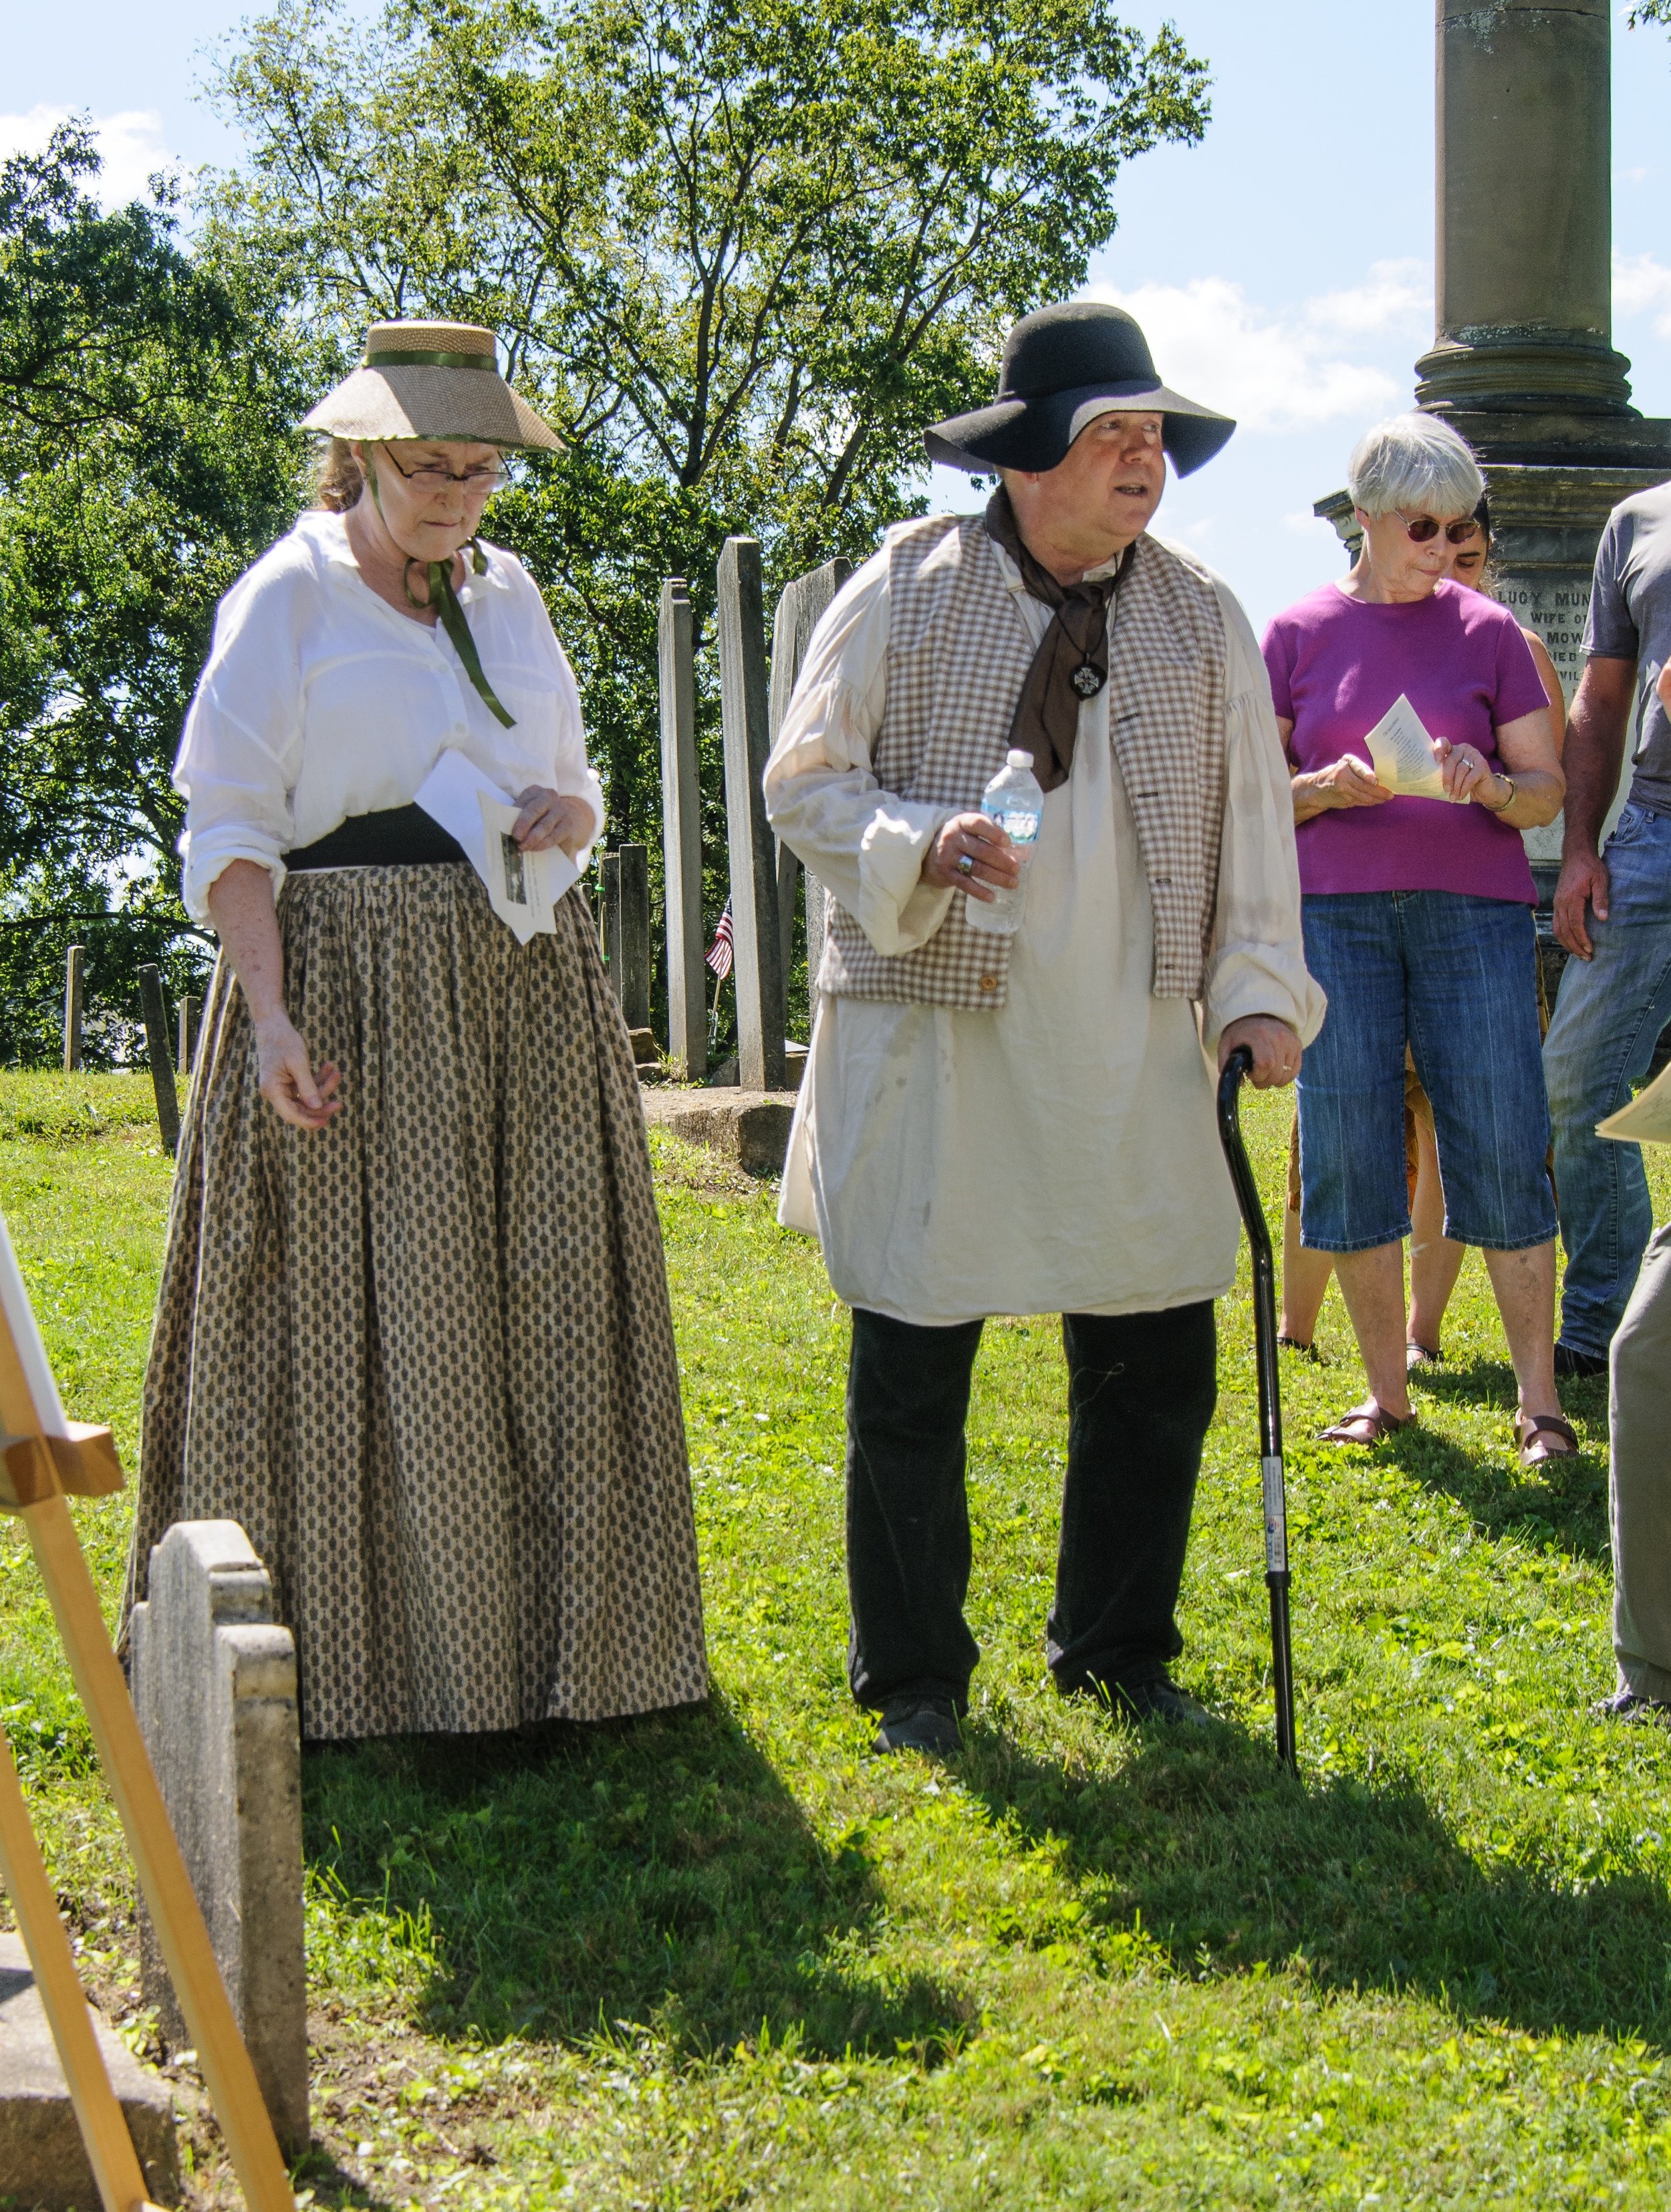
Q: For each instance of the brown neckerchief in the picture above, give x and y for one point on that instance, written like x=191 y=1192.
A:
x=1071 y=663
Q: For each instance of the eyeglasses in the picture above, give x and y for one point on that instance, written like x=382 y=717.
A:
x=430 y=477
x=1422 y=528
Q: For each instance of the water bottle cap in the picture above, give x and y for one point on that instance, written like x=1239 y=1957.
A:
x=1017 y=758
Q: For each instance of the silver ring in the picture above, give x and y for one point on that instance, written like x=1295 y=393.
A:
x=966 y=864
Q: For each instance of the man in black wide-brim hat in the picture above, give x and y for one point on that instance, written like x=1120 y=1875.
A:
x=1024 y=1123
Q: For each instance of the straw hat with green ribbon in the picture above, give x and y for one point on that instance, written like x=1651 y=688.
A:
x=434 y=381
x=431 y=380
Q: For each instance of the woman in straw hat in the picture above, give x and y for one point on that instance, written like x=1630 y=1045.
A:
x=414 y=1330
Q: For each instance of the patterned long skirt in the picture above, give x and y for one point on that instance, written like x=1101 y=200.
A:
x=425 y=1355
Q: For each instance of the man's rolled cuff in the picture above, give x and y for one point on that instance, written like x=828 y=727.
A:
x=897 y=911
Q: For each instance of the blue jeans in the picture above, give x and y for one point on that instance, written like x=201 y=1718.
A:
x=1608 y=1016
x=1455 y=977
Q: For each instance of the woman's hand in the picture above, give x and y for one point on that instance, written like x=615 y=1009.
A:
x=287 y=1081
x=1466 y=774
x=1347 y=781
x=550 y=817
x=996 y=861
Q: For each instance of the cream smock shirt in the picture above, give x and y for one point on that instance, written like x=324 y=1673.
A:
x=320 y=700
x=1060 y=1154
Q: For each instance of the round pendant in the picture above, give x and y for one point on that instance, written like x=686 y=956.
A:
x=1087 y=680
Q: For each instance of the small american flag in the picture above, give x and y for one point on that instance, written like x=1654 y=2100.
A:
x=719 y=953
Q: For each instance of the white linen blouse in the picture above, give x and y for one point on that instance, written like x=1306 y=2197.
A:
x=320 y=700
x=1060 y=1154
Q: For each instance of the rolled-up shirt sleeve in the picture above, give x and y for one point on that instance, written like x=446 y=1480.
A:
x=241 y=746
x=1257 y=965
x=863 y=844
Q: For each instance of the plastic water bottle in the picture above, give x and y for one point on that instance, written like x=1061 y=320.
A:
x=1015 y=802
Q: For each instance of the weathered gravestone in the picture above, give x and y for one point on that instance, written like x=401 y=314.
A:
x=74 y=961
x=43 y=2159
x=626 y=881
x=215 y=1683
x=756 y=930
x=161 y=1059
x=803 y=604
x=682 y=836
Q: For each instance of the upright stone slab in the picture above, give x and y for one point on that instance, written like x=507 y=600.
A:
x=43 y=2159
x=682 y=836
x=73 y=963
x=215 y=1686
x=634 y=936
x=161 y=1059
x=804 y=602
x=756 y=933
x=609 y=921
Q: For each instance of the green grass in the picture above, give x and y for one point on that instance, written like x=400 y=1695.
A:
x=729 y=1958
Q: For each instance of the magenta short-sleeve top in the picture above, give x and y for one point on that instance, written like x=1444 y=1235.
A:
x=1337 y=663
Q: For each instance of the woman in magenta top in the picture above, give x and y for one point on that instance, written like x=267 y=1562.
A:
x=1417 y=915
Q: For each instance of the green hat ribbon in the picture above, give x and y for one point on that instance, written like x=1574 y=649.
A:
x=444 y=600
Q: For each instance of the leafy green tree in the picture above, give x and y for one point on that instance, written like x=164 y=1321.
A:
x=740 y=255
x=146 y=455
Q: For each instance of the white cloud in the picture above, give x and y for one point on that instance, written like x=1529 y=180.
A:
x=1640 y=285
x=1339 y=355
x=130 y=143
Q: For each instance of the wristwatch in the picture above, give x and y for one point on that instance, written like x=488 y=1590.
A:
x=1510 y=800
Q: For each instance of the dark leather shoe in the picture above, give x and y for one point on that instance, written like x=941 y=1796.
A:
x=1154 y=1696
x=1626 y=1705
x=1578 y=1366
x=924 y=1725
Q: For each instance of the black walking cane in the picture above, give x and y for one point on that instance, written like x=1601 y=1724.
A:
x=1240 y=1064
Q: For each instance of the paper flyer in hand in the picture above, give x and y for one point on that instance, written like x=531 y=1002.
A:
x=523 y=888
x=1647 y=1119
x=1401 y=754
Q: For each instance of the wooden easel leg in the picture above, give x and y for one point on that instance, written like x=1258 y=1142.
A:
x=181 y=1934
x=109 y=2146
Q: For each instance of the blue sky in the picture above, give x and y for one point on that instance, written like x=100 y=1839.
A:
x=1283 y=269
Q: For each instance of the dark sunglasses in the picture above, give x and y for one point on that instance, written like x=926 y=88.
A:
x=1422 y=529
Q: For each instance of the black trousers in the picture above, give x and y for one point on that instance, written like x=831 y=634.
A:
x=1141 y=1393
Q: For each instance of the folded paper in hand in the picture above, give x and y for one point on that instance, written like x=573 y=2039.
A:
x=1647 y=1119
x=1402 y=755
x=523 y=887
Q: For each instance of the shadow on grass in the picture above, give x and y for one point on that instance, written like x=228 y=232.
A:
x=1231 y=1862
x=1562 y=1505
x=656 y=1871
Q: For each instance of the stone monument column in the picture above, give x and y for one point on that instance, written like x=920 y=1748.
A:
x=1523 y=286
x=1522 y=362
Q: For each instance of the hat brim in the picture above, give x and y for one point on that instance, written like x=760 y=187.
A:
x=1036 y=433
x=426 y=402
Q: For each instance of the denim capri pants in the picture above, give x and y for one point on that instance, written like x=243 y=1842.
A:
x=1455 y=977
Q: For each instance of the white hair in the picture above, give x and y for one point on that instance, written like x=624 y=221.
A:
x=1414 y=464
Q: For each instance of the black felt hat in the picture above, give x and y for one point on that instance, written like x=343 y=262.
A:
x=1062 y=367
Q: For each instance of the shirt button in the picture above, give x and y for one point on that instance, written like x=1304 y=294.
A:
x=989 y=983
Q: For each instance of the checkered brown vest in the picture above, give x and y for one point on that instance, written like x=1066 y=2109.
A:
x=958 y=651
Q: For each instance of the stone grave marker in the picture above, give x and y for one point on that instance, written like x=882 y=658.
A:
x=215 y=1686
x=682 y=836
x=804 y=602
x=756 y=930
x=43 y=2159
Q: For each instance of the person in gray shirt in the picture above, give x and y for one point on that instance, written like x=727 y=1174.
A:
x=1612 y=911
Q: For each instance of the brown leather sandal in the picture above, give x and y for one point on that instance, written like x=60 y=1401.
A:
x=1365 y=1425
x=1544 y=1436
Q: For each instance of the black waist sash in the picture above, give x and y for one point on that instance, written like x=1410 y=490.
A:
x=393 y=837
